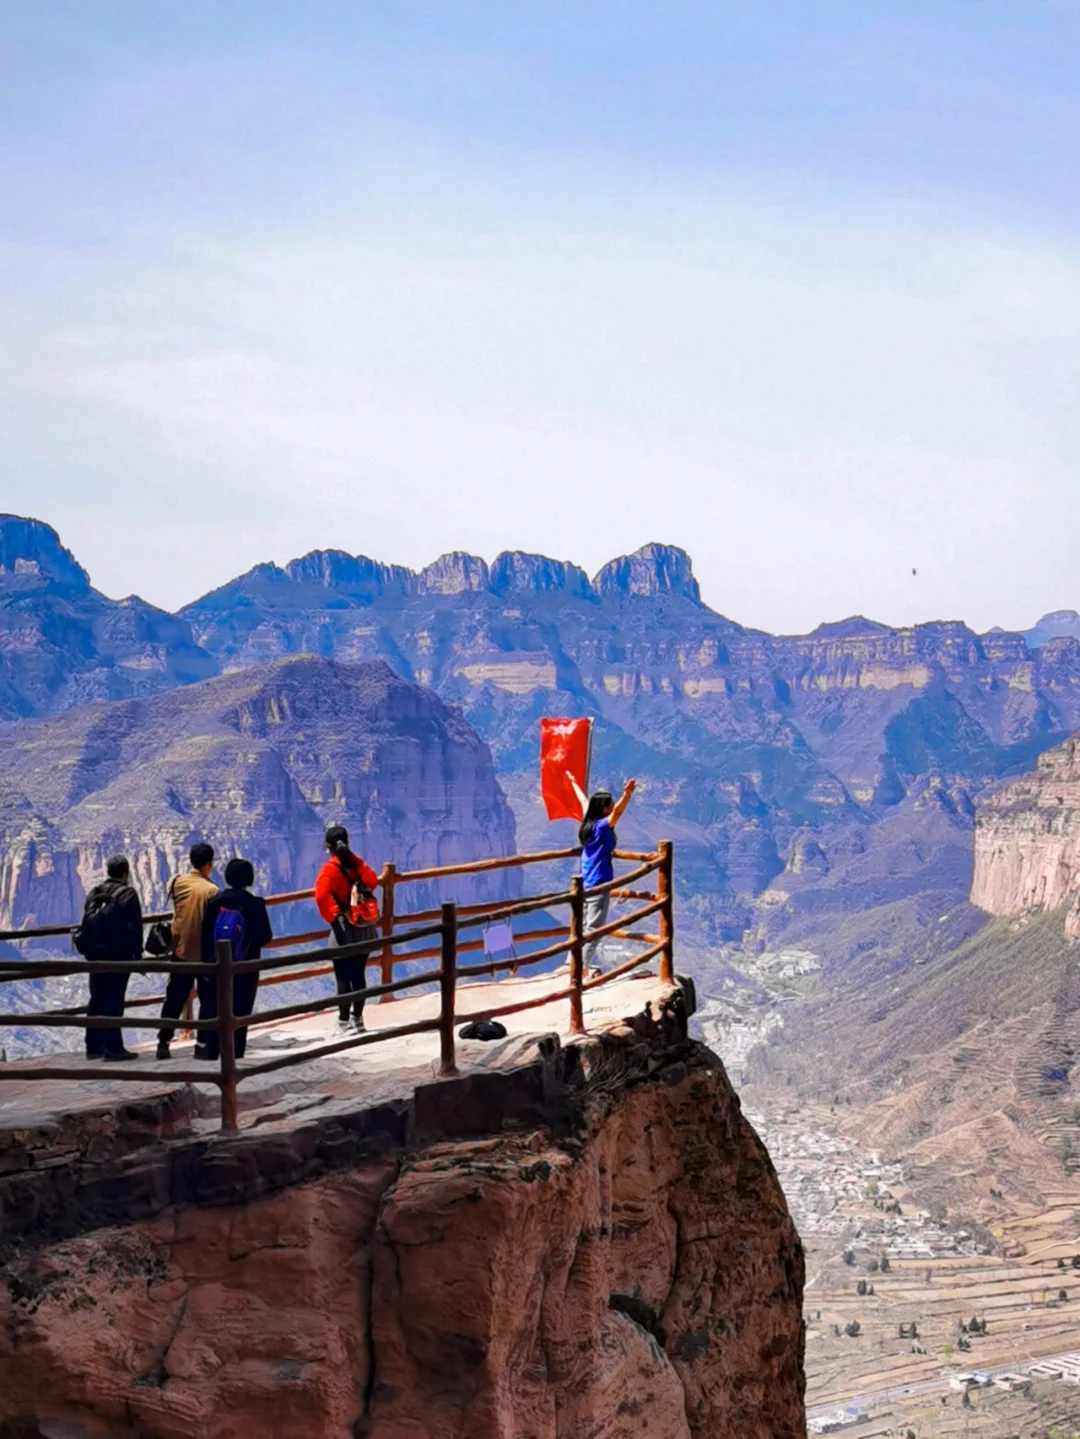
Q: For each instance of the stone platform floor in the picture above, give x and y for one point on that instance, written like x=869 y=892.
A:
x=367 y=1077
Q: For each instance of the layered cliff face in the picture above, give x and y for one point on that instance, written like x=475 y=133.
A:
x=63 y=644
x=258 y=762
x=637 y=1275
x=1027 y=840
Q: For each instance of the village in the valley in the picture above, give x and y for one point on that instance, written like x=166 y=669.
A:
x=917 y=1322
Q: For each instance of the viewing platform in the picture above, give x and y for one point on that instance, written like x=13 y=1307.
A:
x=85 y=1143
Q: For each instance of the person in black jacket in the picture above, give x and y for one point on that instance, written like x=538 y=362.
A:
x=111 y=928
x=255 y=921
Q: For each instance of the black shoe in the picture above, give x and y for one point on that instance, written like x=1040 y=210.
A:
x=94 y=1056
x=201 y=1052
x=120 y=1056
x=163 y=1050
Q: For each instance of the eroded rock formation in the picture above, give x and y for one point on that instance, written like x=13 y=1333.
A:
x=1027 y=840
x=630 y=1272
x=258 y=763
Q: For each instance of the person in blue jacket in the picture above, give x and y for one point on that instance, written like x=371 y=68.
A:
x=596 y=835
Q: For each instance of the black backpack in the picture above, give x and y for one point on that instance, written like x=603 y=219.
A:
x=102 y=933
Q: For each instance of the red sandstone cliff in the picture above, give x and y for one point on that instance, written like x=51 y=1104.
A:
x=636 y=1273
x=1027 y=840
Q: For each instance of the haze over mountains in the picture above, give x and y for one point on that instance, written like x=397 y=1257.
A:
x=808 y=780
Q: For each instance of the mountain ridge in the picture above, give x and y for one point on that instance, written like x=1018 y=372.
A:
x=863 y=746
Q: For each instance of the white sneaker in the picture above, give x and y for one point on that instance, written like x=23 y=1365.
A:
x=344 y=1026
x=358 y=1025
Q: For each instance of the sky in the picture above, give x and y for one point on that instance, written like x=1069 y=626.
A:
x=794 y=286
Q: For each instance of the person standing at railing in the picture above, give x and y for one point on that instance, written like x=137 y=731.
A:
x=189 y=894
x=111 y=928
x=241 y=918
x=345 y=897
x=596 y=834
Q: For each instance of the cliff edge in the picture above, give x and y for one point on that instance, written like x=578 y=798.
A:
x=616 y=1260
x=1027 y=841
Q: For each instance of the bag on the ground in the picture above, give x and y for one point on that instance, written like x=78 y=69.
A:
x=482 y=1029
x=102 y=932
x=229 y=925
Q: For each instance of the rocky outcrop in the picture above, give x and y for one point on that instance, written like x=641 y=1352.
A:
x=1027 y=840
x=516 y=573
x=258 y=762
x=631 y=1272
x=1058 y=624
x=652 y=570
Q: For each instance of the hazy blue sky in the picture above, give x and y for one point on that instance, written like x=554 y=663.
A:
x=794 y=285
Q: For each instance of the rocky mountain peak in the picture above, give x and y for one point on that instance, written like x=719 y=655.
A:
x=454 y=574
x=1058 y=624
x=31 y=551
x=355 y=575
x=652 y=570
x=515 y=572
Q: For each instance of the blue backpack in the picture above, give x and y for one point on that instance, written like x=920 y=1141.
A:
x=229 y=925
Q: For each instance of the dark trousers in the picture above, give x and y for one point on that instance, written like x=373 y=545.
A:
x=107 y=994
x=245 y=988
x=177 y=993
x=350 y=971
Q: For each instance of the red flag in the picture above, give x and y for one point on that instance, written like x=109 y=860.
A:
x=564 y=745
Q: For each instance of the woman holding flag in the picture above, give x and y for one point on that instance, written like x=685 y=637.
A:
x=596 y=834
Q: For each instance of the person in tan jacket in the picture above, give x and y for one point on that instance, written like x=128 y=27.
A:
x=189 y=894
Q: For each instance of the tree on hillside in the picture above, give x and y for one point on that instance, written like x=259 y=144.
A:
x=938 y=1212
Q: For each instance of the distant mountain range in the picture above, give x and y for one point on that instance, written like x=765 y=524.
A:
x=816 y=785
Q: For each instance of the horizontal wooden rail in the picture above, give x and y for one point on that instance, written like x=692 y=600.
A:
x=58 y=1019
x=625 y=968
x=485 y=866
x=96 y=1069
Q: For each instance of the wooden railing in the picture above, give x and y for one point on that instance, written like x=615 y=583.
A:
x=444 y=925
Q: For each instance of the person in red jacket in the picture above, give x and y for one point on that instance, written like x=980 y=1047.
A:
x=345 y=897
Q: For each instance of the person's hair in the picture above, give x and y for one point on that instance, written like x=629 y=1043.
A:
x=201 y=855
x=336 y=840
x=239 y=874
x=599 y=805
x=118 y=867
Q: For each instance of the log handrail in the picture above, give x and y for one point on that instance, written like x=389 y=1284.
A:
x=395 y=932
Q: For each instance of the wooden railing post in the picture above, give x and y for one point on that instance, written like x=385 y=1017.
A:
x=387 y=880
x=226 y=1031
x=448 y=987
x=665 y=891
x=577 y=954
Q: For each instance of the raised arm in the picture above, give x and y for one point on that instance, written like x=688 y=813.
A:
x=620 y=805
x=582 y=798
